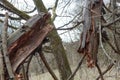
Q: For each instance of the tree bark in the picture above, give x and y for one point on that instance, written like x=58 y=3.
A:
x=53 y=35
x=5 y=49
x=1 y=66
x=57 y=47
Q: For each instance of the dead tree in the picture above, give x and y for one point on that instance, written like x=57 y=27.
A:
x=89 y=41
x=23 y=42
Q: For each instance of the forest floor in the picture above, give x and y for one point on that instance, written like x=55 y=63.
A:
x=84 y=73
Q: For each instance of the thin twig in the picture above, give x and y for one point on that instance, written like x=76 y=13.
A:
x=65 y=6
x=116 y=42
x=70 y=28
x=99 y=70
x=104 y=72
x=77 y=68
x=31 y=10
x=39 y=62
x=70 y=21
x=12 y=18
x=9 y=25
x=101 y=44
x=112 y=46
x=47 y=65
x=110 y=23
x=23 y=72
x=28 y=64
x=54 y=10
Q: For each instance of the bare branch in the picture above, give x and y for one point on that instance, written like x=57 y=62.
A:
x=30 y=11
x=71 y=21
x=78 y=23
x=108 y=68
x=110 y=23
x=47 y=65
x=110 y=10
x=66 y=6
x=39 y=51
x=78 y=66
x=112 y=46
x=28 y=65
x=101 y=44
x=4 y=46
x=7 y=5
x=116 y=42
x=99 y=70
x=9 y=25
x=54 y=10
x=13 y=18
x=107 y=8
x=63 y=33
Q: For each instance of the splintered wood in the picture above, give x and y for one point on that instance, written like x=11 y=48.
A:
x=89 y=40
x=26 y=39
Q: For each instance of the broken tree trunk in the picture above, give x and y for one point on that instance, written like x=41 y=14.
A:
x=90 y=35
x=26 y=39
x=89 y=41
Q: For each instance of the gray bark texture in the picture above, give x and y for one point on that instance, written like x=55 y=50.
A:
x=57 y=47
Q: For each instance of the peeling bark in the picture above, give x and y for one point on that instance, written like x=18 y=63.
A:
x=89 y=40
x=27 y=39
x=57 y=47
x=1 y=66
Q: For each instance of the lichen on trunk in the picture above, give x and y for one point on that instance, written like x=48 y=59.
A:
x=57 y=47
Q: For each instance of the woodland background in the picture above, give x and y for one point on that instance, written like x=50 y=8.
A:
x=84 y=43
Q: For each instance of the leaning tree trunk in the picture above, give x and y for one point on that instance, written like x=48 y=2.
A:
x=57 y=47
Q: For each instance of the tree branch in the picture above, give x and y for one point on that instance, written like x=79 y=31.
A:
x=112 y=46
x=39 y=51
x=65 y=6
x=110 y=23
x=4 y=46
x=30 y=11
x=78 y=66
x=7 y=5
x=12 y=18
x=70 y=21
x=101 y=44
x=54 y=10
x=9 y=25
x=78 y=23
x=108 y=68
x=27 y=68
x=99 y=70
x=47 y=65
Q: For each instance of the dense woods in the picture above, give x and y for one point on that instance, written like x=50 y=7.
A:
x=59 y=40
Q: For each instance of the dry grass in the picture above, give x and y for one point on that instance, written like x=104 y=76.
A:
x=84 y=73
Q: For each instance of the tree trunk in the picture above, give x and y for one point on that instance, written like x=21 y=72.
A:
x=1 y=66
x=57 y=47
